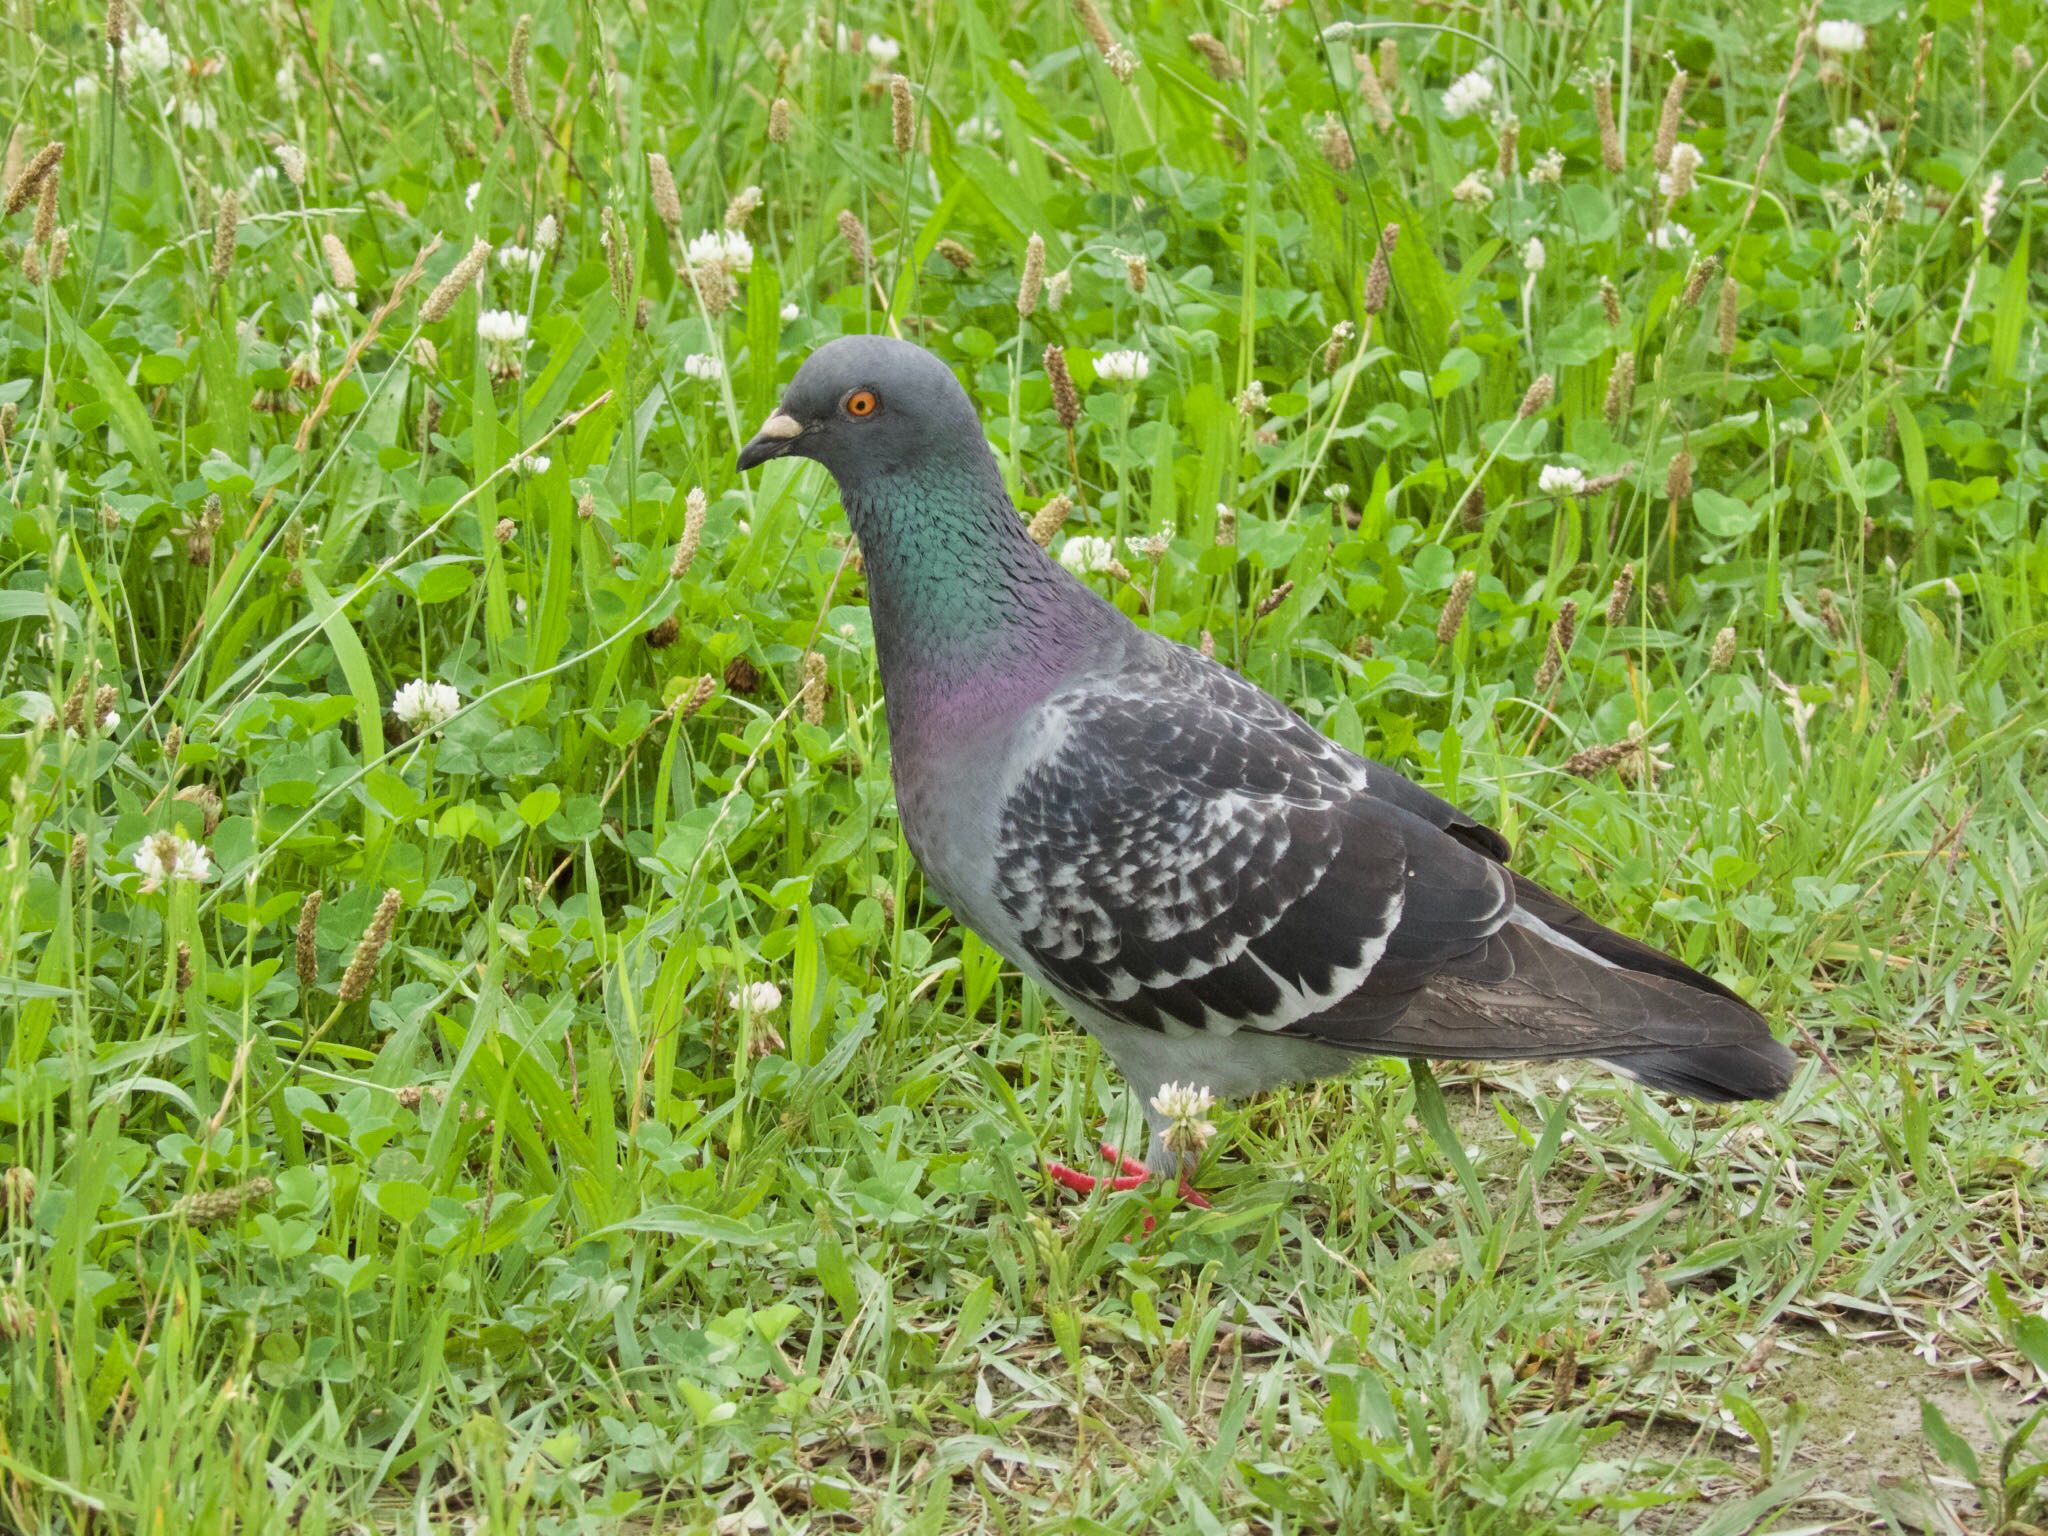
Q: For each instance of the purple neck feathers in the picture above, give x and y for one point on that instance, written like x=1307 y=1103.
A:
x=973 y=623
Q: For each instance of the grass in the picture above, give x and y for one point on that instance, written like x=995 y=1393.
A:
x=535 y=1216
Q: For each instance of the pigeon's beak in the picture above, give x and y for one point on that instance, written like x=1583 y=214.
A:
x=777 y=436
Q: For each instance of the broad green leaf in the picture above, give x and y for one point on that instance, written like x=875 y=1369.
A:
x=402 y=1200
x=2010 y=310
x=36 y=605
x=1724 y=516
x=130 y=421
x=1950 y=1446
x=355 y=666
x=539 y=805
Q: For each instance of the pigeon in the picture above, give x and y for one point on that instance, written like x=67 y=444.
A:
x=1228 y=901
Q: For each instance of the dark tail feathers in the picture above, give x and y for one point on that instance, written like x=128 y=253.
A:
x=1716 y=1074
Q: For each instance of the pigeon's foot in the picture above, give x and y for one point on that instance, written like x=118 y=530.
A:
x=1131 y=1173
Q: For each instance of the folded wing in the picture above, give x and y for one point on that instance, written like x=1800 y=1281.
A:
x=1196 y=857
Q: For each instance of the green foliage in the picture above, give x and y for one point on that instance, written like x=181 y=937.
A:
x=662 y=1156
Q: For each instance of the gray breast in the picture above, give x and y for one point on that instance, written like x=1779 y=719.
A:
x=950 y=809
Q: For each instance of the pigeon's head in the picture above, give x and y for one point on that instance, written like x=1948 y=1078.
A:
x=869 y=408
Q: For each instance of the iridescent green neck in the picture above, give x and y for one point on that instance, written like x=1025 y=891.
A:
x=932 y=546
x=971 y=617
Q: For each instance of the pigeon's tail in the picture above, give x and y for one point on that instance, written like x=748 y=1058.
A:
x=1716 y=1074
x=1550 y=983
x=1735 y=1056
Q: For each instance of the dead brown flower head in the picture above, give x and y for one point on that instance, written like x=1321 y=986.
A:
x=1215 y=57
x=1453 y=617
x=355 y=981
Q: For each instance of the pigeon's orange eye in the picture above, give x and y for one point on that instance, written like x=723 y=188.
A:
x=862 y=402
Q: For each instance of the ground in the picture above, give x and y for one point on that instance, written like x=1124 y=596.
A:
x=478 y=1053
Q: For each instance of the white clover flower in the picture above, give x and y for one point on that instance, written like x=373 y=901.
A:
x=707 y=248
x=703 y=367
x=1085 y=553
x=165 y=856
x=1857 y=137
x=260 y=178
x=755 y=997
x=147 y=51
x=1534 y=257
x=513 y=258
x=1126 y=367
x=1150 y=546
x=501 y=326
x=1548 y=170
x=198 y=116
x=503 y=333
x=425 y=706
x=375 y=62
x=883 y=50
x=105 y=723
x=1561 y=480
x=726 y=249
x=1840 y=37
x=330 y=310
x=1671 y=236
x=1182 y=1100
x=546 y=234
x=978 y=130
x=1987 y=205
x=1185 y=1108
x=531 y=464
x=1655 y=756
x=1467 y=94
x=469 y=195
x=790 y=313
x=1473 y=190
x=84 y=88
x=1337 y=490
x=1686 y=161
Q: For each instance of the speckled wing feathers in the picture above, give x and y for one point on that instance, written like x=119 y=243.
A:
x=1181 y=852
x=1195 y=854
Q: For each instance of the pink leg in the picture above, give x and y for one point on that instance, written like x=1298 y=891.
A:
x=1188 y=1192
x=1124 y=1164
x=1088 y=1183
x=1132 y=1174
